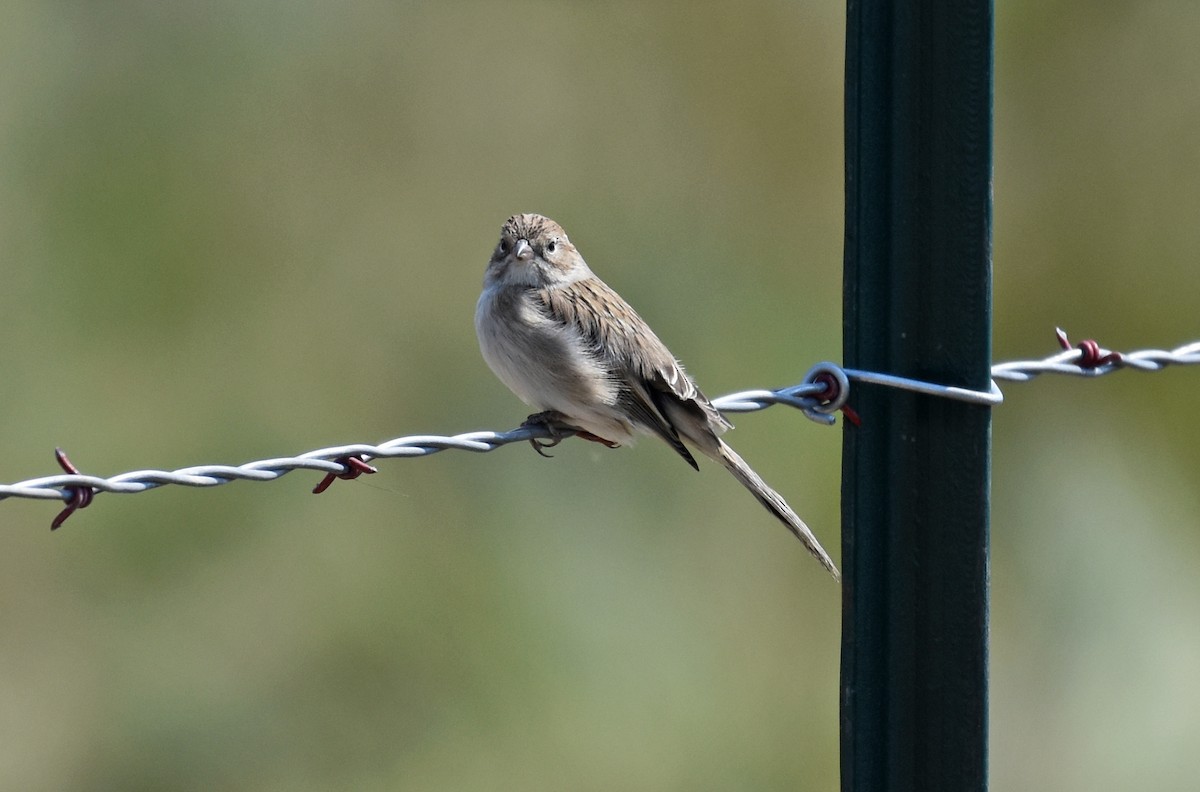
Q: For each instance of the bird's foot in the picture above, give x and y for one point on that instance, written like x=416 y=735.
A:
x=556 y=424
x=553 y=422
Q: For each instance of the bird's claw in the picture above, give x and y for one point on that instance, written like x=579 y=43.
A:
x=541 y=445
x=556 y=424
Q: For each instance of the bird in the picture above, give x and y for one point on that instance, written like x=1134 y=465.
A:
x=567 y=344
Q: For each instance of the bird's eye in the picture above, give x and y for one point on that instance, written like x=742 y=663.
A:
x=551 y=245
x=503 y=245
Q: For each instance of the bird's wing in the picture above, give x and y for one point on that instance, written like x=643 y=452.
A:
x=652 y=386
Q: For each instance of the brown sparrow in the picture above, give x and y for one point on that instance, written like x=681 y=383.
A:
x=567 y=344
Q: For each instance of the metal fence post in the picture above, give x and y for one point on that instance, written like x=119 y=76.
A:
x=915 y=474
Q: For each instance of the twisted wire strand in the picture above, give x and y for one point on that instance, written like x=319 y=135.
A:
x=329 y=460
x=822 y=393
x=1069 y=362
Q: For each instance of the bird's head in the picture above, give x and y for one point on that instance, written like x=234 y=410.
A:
x=534 y=251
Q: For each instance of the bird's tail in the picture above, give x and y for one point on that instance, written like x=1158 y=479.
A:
x=774 y=503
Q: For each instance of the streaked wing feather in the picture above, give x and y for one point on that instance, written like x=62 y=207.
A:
x=651 y=416
x=613 y=332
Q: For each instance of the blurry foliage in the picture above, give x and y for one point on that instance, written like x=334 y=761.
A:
x=233 y=230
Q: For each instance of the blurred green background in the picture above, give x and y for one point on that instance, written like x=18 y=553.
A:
x=230 y=231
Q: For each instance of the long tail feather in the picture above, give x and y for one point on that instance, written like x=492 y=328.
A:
x=775 y=504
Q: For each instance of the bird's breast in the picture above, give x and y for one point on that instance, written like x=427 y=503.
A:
x=544 y=362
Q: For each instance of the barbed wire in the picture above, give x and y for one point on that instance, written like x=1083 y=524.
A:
x=1089 y=359
x=821 y=394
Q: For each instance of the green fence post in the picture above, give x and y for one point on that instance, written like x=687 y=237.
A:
x=915 y=474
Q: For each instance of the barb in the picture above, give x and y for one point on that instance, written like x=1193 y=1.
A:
x=78 y=497
x=823 y=393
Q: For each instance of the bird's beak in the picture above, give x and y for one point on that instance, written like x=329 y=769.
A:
x=522 y=250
